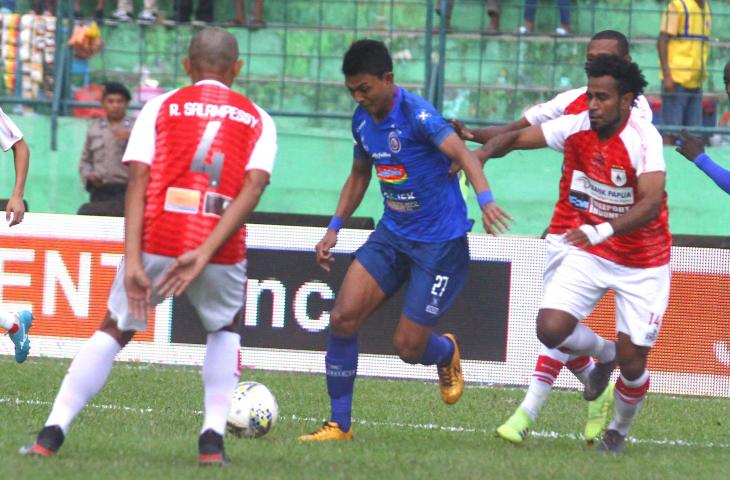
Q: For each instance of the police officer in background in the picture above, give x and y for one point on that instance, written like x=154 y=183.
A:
x=101 y=168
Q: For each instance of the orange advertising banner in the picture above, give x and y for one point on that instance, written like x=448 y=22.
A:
x=65 y=283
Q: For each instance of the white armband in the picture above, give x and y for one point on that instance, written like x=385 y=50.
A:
x=597 y=233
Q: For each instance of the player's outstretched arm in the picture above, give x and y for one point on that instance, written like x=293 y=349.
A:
x=189 y=265
x=650 y=194
x=693 y=149
x=525 y=139
x=15 y=206
x=136 y=282
x=350 y=197
x=483 y=135
x=494 y=219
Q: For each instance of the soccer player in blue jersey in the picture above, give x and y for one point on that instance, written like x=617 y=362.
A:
x=420 y=240
x=693 y=149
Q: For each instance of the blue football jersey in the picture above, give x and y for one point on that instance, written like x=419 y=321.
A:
x=422 y=202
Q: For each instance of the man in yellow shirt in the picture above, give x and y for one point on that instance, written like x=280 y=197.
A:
x=683 y=47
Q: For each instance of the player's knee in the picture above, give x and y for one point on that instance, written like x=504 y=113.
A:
x=549 y=335
x=343 y=325
x=408 y=350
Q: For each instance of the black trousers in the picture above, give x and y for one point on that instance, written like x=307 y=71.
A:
x=107 y=200
x=184 y=8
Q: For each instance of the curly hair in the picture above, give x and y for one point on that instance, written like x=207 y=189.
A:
x=627 y=74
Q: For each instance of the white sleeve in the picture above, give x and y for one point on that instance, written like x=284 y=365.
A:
x=553 y=108
x=141 y=145
x=264 y=153
x=9 y=132
x=558 y=130
x=647 y=150
x=643 y=109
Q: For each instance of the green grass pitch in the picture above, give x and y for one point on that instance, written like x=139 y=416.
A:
x=144 y=424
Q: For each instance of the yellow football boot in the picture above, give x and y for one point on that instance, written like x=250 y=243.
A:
x=327 y=432
x=598 y=415
x=451 y=380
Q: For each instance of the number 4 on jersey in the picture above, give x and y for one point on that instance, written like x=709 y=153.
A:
x=214 y=167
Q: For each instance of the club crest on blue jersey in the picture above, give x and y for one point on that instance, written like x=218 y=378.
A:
x=394 y=142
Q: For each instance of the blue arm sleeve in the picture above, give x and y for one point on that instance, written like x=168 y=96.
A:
x=718 y=174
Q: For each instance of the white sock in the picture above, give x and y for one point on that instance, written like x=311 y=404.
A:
x=584 y=341
x=629 y=397
x=581 y=366
x=220 y=377
x=549 y=363
x=85 y=377
x=7 y=320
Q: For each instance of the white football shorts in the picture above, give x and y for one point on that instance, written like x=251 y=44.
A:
x=217 y=294
x=575 y=280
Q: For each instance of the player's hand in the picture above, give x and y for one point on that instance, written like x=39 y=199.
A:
x=461 y=130
x=690 y=146
x=139 y=290
x=184 y=270
x=577 y=237
x=15 y=209
x=494 y=219
x=94 y=180
x=668 y=83
x=324 y=257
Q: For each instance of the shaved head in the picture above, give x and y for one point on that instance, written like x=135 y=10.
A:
x=213 y=50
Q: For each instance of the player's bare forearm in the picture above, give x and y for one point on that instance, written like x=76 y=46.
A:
x=237 y=213
x=354 y=189
x=134 y=203
x=650 y=193
x=21 y=154
x=483 y=135
x=524 y=139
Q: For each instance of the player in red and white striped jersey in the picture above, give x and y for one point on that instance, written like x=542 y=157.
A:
x=610 y=230
x=199 y=159
x=16 y=324
x=551 y=361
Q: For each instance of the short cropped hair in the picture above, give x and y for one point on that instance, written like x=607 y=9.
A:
x=367 y=56
x=618 y=37
x=628 y=74
x=116 y=88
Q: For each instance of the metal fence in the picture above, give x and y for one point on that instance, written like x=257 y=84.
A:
x=293 y=63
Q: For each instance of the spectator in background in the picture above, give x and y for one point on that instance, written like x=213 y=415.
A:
x=183 y=9
x=693 y=149
x=101 y=168
x=683 y=47
x=531 y=7
x=48 y=7
x=493 y=8
x=125 y=9
x=257 y=20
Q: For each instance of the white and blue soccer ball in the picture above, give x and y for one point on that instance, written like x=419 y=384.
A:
x=253 y=412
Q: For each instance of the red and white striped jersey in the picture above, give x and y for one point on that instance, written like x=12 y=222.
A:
x=199 y=142
x=573 y=102
x=9 y=132
x=599 y=182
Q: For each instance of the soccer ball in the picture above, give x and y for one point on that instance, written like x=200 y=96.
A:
x=253 y=412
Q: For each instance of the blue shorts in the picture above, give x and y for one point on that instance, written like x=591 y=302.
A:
x=436 y=271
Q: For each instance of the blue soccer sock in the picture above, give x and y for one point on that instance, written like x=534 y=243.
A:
x=341 y=365
x=439 y=351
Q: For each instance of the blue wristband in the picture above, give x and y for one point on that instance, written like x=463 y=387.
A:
x=485 y=198
x=336 y=223
x=701 y=157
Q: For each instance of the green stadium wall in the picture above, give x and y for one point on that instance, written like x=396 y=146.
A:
x=314 y=160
